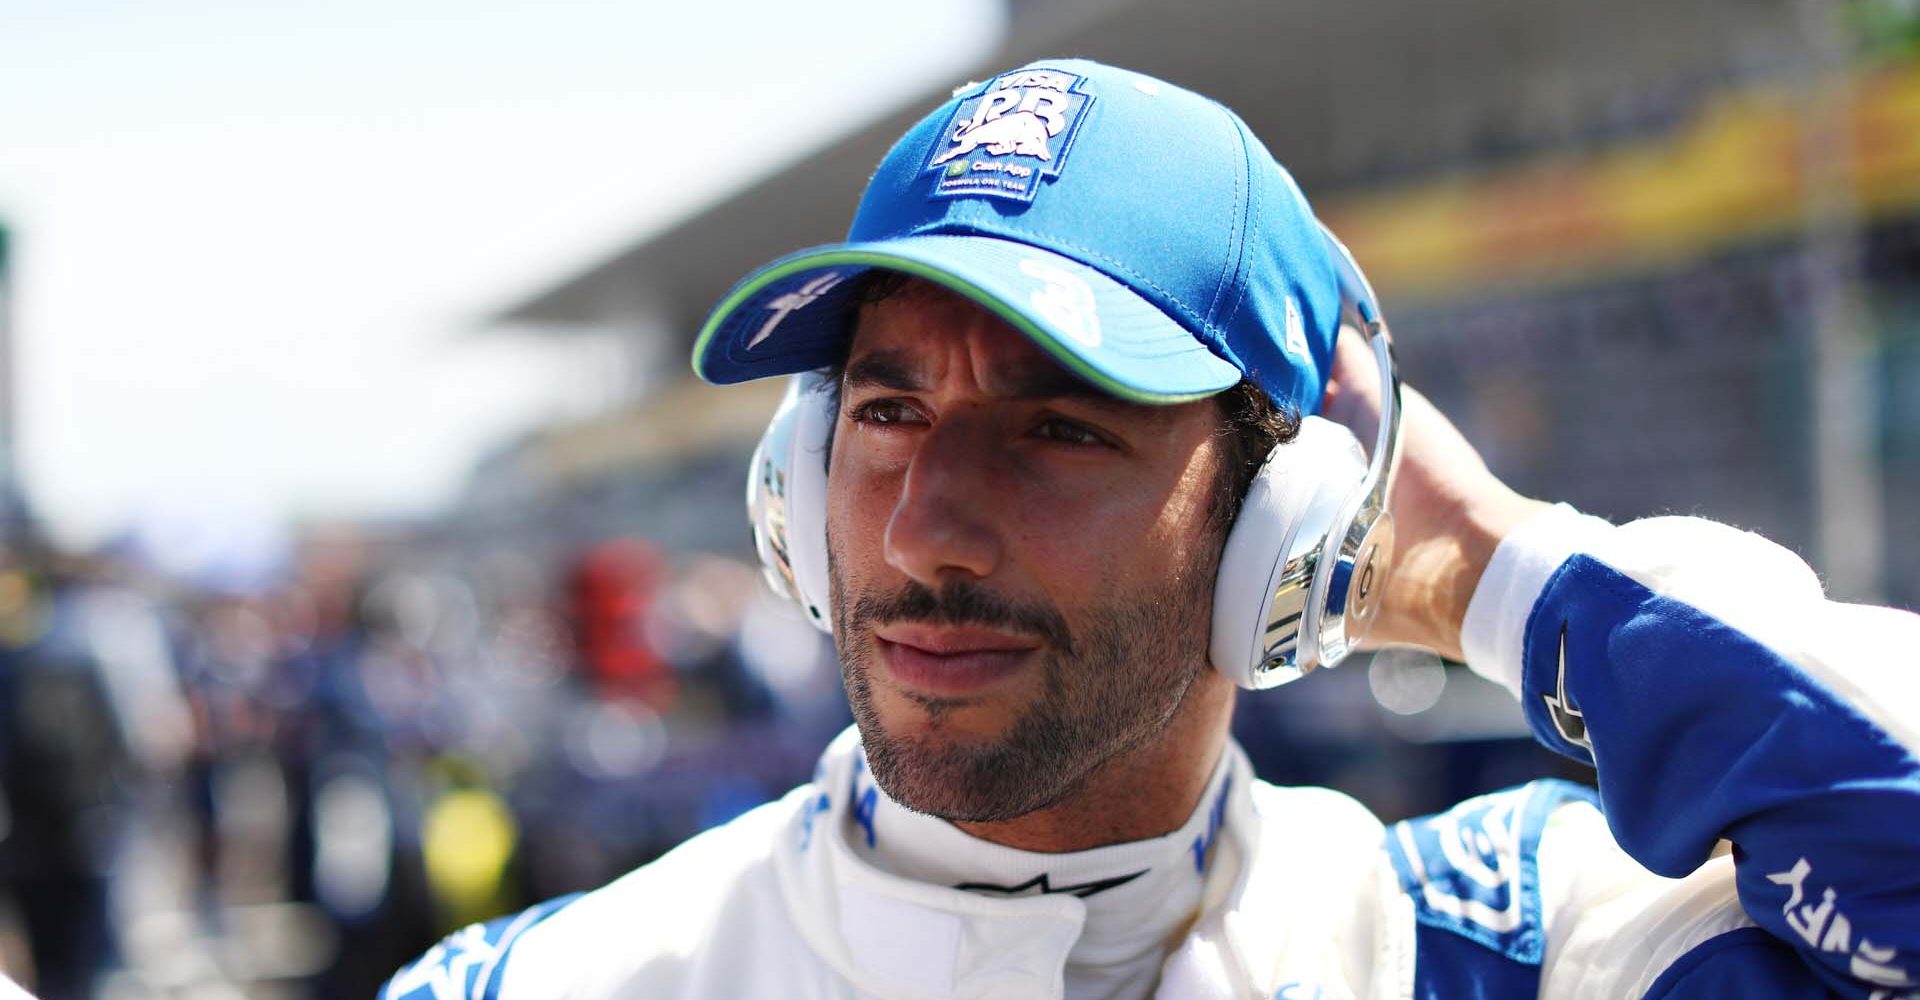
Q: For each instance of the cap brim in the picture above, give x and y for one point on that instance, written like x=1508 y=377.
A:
x=791 y=315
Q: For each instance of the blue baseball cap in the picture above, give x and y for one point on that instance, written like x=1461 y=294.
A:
x=1136 y=231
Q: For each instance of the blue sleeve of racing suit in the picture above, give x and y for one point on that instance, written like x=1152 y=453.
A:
x=1785 y=726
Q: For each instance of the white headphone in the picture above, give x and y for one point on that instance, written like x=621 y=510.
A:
x=1303 y=568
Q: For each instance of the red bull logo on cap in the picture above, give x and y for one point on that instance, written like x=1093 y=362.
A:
x=1013 y=131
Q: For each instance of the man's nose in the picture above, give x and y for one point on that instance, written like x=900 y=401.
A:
x=942 y=521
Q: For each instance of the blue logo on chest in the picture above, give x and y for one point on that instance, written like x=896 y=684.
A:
x=1474 y=871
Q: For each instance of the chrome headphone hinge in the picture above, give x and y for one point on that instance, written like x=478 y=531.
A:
x=1286 y=619
x=1326 y=588
x=786 y=496
x=1361 y=557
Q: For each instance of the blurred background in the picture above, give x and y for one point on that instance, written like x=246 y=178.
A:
x=370 y=562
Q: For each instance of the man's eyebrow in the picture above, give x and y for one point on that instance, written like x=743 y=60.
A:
x=888 y=371
x=880 y=370
x=1052 y=382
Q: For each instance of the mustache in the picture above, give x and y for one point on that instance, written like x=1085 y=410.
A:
x=959 y=602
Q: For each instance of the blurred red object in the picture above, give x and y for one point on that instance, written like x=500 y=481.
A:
x=610 y=589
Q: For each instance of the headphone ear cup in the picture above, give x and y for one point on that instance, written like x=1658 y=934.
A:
x=1292 y=506
x=787 y=497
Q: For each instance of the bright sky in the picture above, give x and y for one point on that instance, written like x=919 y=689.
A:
x=254 y=242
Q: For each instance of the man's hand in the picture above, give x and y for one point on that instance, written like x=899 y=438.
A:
x=1449 y=511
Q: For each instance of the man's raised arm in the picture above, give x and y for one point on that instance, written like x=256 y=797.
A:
x=1719 y=695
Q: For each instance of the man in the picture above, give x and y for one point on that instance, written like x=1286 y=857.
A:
x=1114 y=304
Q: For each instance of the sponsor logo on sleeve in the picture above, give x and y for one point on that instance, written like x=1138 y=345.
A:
x=467 y=963
x=1567 y=720
x=1824 y=925
x=449 y=970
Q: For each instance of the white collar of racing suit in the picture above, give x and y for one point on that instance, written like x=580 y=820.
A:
x=1272 y=908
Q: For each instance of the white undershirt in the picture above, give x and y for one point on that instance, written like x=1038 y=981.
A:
x=1140 y=897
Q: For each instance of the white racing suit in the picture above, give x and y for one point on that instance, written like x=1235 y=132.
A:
x=1719 y=696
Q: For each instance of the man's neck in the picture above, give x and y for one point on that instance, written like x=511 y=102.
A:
x=1142 y=793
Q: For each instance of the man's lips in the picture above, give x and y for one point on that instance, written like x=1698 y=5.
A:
x=951 y=660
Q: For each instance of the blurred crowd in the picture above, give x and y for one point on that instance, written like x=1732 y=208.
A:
x=292 y=788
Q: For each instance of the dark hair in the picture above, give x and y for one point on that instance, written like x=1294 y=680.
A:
x=1252 y=423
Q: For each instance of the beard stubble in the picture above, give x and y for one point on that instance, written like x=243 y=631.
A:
x=1111 y=681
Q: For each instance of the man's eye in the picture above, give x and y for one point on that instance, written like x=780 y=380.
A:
x=883 y=411
x=1068 y=432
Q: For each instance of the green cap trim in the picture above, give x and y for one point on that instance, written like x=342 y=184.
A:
x=809 y=260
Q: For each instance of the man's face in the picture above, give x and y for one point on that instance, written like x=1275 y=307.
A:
x=1022 y=567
